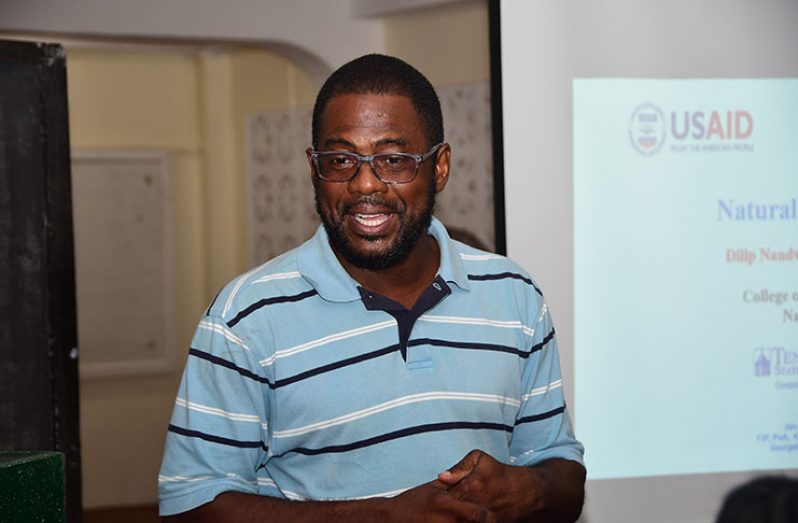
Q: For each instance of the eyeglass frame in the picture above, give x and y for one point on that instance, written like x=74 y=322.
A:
x=369 y=159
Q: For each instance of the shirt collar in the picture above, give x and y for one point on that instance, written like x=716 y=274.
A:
x=452 y=268
x=318 y=264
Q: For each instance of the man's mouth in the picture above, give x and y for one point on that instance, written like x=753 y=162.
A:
x=371 y=220
x=371 y=216
x=371 y=223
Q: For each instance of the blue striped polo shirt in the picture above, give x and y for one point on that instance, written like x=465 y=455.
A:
x=300 y=384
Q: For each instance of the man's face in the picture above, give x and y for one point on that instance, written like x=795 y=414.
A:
x=371 y=224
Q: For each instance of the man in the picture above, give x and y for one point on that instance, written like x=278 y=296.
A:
x=380 y=371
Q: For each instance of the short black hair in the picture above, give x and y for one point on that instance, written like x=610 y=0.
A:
x=381 y=74
x=768 y=499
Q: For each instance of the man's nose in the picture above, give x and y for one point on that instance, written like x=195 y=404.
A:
x=366 y=181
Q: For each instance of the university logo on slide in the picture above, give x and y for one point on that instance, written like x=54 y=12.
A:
x=781 y=362
x=763 y=361
x=647 y=129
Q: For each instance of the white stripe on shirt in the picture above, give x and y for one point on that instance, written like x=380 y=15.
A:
x=215 y=327
x=513 y=459
x=556 y=384
x=240 y=282
x=480 y=257
x=279 y=276
x=389 y=494
x=217 y=412
x=181 y=479
x=268 y=482
x=326 y=339
x=543 y=311
x=462 y=320
x=398 y=402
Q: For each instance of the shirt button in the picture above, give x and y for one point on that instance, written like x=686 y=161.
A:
x=437 y=285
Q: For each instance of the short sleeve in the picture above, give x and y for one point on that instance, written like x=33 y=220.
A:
x=218 y=434
x=543 y=427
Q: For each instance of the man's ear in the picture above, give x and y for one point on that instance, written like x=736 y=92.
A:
x=310 y=163
x=442 y=162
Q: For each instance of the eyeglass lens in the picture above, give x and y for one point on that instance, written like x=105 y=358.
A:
x=388 y=167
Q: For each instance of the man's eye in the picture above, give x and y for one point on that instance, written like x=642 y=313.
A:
x=395 y=161
x=340 y=161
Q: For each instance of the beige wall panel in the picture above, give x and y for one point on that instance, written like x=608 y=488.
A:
x=193 y=296
x=224 y=192
x=126 y=100
x=123 y=426
x=264 y=83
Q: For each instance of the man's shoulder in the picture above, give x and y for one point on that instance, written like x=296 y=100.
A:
x=478 y=261
x=494 y=271
x=276 y=278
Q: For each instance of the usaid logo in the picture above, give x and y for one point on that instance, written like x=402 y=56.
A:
x=692 y=131
x=647 y=129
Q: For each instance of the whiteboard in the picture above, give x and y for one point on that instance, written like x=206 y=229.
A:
x=125 y=263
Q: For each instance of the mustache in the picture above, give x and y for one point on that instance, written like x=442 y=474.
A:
x=376 y=201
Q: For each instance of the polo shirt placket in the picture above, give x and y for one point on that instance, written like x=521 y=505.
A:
x=405 y=318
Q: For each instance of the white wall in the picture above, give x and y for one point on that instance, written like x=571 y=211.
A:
x=318 y=34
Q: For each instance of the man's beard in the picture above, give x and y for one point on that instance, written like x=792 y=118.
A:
x=409 y=233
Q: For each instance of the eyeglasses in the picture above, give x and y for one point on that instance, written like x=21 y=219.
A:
x=342 y=166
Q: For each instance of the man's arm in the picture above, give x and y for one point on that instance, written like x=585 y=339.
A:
x=551 y=491
x=429 y=503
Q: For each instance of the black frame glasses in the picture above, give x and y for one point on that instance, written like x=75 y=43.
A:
x=342 y=166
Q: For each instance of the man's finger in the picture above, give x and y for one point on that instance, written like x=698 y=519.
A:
x=461 y=469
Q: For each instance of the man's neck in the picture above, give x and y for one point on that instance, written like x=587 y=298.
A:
x=405 y=281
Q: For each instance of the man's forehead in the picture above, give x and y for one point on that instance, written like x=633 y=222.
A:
x=371 y=112
x=378 y=104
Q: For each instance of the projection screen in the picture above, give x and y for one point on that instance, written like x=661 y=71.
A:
x=650 y=171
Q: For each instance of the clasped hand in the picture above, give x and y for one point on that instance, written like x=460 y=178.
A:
x=477 y=489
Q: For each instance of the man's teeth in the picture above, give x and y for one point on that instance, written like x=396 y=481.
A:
x=371 y=220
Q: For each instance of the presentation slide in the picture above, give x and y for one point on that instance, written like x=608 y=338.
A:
x=686 y=274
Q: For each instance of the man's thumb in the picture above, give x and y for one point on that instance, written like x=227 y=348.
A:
x=461 y=469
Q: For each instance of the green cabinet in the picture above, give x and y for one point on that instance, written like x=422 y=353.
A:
x=32 y=487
